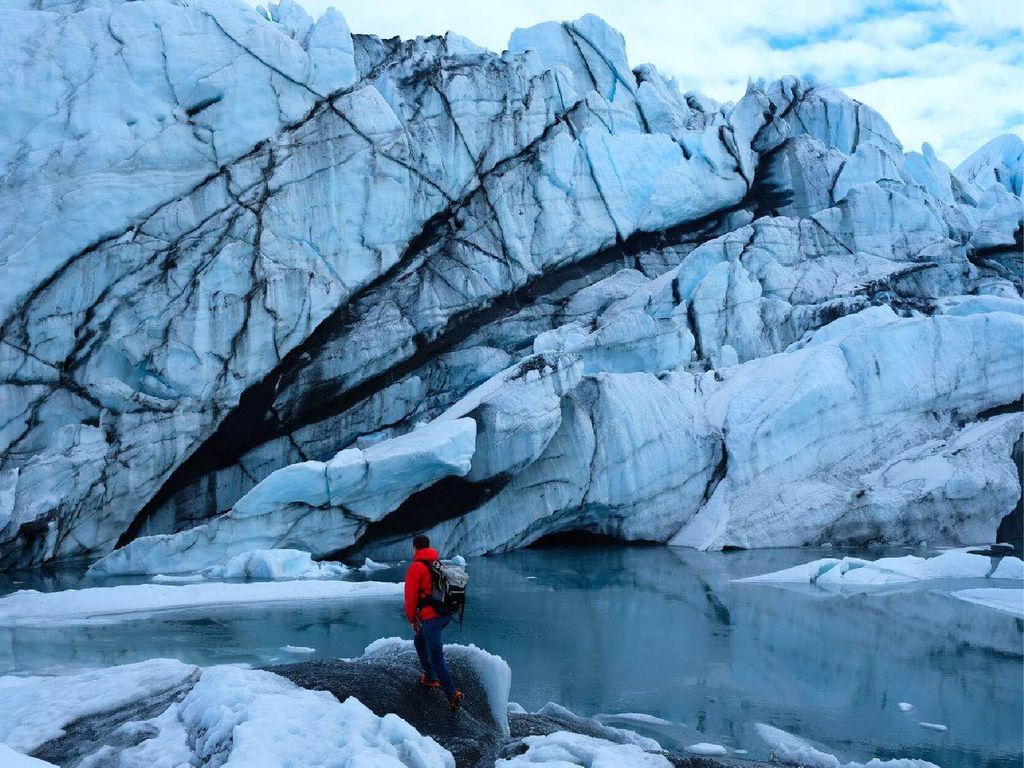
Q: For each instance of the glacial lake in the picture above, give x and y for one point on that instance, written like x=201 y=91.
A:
x=653 y=630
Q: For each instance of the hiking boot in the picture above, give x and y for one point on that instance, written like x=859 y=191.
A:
x=455 y=701
x=428 y=683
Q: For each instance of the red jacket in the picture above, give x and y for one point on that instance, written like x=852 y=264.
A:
x=417 y=585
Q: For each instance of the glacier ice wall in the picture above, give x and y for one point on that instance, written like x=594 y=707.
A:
x=241 y=247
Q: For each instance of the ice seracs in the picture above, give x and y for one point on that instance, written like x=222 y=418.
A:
x=335 y=279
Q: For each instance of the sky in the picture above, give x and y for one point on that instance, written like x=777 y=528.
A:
x=949 y=72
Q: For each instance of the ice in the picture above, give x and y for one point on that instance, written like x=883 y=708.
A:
x=165 y=744
x=1009 y=601
x=565 y=750
x=787 y=747
x=257 y=719
x=258 y=270
x=598 y=728
x=278 y=564
x=707 y=749
x=319 y=507
x=11 y=759
x=905 y=706
x=104 y=605
x=853 y=572
x=297 y=649
x=36 y=709
x=999 y=161
x=369 y=566
x=594 y=53
x=934 y=727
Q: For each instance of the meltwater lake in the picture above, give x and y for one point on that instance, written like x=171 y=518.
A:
x=659 y=632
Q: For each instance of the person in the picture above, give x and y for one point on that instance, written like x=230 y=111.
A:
x=427 y=623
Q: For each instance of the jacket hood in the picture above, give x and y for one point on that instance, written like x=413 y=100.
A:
x=428 y=554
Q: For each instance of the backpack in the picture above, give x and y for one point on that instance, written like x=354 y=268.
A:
x=447 y=589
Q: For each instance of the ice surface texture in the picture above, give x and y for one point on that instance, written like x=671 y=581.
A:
x=268 y=284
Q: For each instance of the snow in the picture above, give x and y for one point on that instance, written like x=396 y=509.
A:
x=11 y=759
x=257 y=719
x=165 y=743
x=37 y=709
x=104 y=605
x=788 y=747
x=854 y=572
x=564 y=750
x=707 y=749
x=1009 y=601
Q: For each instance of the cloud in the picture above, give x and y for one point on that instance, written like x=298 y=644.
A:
x=943 y=71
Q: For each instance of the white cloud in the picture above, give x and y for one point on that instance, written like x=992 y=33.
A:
x=944 y=71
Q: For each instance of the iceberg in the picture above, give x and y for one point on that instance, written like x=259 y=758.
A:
x=855 y=573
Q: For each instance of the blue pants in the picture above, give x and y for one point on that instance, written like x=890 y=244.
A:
x=431 y=653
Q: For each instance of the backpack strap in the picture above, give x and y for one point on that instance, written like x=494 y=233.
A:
x=427 y=599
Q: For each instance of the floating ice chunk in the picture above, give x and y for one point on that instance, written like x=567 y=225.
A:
x=36 y=709
x=934 y=727
x=905 y=706
x=856 y=572
x=707 y=749
x=370 y=565
x=297 y=649
x=104 y=605
x=458 y=560
x=1009 y=568
x=600 y=729
x=793 y=749
x=564 y=749
x=806 y=573
x=258 y=719
x=1009 y=601
x=186 y=578
x=275 y=564
x=11 y=759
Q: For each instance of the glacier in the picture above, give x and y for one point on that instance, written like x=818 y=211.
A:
x=269 y=284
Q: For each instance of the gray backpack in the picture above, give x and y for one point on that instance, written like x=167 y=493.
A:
x=447 y=589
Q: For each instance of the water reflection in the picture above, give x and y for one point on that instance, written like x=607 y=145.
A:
x=660 y=631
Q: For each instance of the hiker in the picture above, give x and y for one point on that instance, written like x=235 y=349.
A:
x=427 y=622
